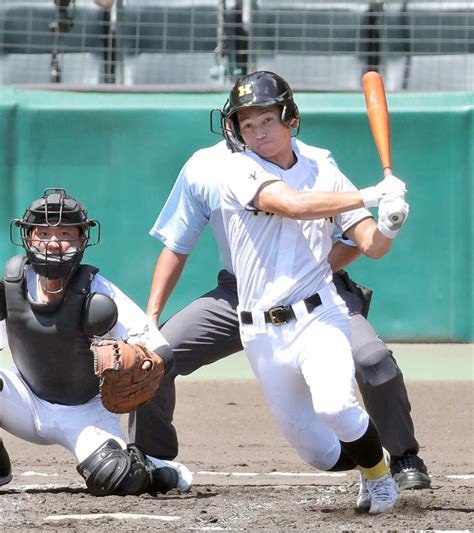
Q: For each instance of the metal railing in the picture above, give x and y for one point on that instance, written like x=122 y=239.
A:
x=206 y=44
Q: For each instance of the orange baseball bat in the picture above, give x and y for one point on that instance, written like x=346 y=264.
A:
x=377 y=111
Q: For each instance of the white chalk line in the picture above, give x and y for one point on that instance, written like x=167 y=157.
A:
x=31 y=473
x=56 y=486
x=43 y=474
x=117 y=516
x=284 y=474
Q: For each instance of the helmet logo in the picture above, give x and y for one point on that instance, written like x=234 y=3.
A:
x=245 y=89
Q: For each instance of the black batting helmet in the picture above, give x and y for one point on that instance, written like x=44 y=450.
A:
x=54 y=208
x=259 y=89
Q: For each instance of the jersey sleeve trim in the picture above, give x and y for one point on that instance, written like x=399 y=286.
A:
x=170 y=244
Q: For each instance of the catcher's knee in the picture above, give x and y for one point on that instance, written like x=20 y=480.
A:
x=375 y=364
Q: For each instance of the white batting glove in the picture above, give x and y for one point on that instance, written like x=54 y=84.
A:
x=390 y=185
x=393 y=211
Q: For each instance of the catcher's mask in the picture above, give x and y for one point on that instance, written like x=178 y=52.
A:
x=54 y=209
x=259 y=89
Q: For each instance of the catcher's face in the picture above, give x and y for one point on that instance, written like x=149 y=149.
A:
x=56 y=240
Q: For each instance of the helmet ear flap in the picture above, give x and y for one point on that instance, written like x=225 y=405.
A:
x=290 y=115
x=231 y=133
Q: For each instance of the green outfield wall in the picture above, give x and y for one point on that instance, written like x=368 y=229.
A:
x=120 y=154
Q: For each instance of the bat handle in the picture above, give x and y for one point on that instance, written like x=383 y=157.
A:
x=387 y=171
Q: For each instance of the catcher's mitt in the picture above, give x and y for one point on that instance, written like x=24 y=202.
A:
x=129 y=373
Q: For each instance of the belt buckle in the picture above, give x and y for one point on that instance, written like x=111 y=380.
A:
x=273 y=319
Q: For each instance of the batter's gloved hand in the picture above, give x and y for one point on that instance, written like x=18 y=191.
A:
x=390 y=185
x=129 y=374
x=393 y=212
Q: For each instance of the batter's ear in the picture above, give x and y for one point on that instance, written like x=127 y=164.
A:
x=294 y=123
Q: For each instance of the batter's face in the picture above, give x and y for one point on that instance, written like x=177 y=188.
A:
x=56 y=240
x=265 y=134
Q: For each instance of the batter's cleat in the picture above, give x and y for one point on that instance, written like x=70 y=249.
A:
x=363 y=499
x=5 y=465
x=383 y=492
x=183 y=481
x=410 y=472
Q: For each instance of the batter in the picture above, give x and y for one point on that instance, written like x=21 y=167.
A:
x=279 y=209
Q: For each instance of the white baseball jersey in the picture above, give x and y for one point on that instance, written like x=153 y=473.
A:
x=278 y=260
x=195 y=201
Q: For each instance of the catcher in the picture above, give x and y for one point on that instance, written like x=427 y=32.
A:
x=83 y=352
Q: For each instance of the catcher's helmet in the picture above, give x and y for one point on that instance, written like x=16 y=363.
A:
x=259 y=89
x=54 y=208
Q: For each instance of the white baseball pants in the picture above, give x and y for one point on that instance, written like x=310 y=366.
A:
x=306 y=371
x=79 y=428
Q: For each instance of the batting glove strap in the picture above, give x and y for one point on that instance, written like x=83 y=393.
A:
x=387 y=232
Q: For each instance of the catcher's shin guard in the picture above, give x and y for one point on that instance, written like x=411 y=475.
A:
x=5 y=465
x=112 y=470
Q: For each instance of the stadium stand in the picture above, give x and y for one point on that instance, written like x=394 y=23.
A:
x=428 y=46
x=40 y=43
x=314 y=45
x=420 y=45
x=163 y=42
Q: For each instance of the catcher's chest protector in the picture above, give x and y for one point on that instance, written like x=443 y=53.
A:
x=47 y=342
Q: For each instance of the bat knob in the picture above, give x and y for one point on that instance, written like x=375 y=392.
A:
x=397 y=218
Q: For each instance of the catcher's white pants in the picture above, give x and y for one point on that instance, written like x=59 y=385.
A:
x=79 y=428
x=306 y=371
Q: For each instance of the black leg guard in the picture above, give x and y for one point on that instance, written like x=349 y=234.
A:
x=366 y=451
x=5 y=465
x=112 y=470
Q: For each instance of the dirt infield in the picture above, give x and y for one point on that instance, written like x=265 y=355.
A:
x=248 y=478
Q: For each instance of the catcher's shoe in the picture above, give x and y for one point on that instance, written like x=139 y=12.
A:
x=182 y=481
x=5 y=465
x=363 y=498
x=410 y=472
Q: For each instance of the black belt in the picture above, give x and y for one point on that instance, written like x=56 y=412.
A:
x=281 y=314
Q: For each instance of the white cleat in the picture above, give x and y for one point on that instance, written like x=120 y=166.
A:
x=185 y=476
x=383 y=492
x=363 y=499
